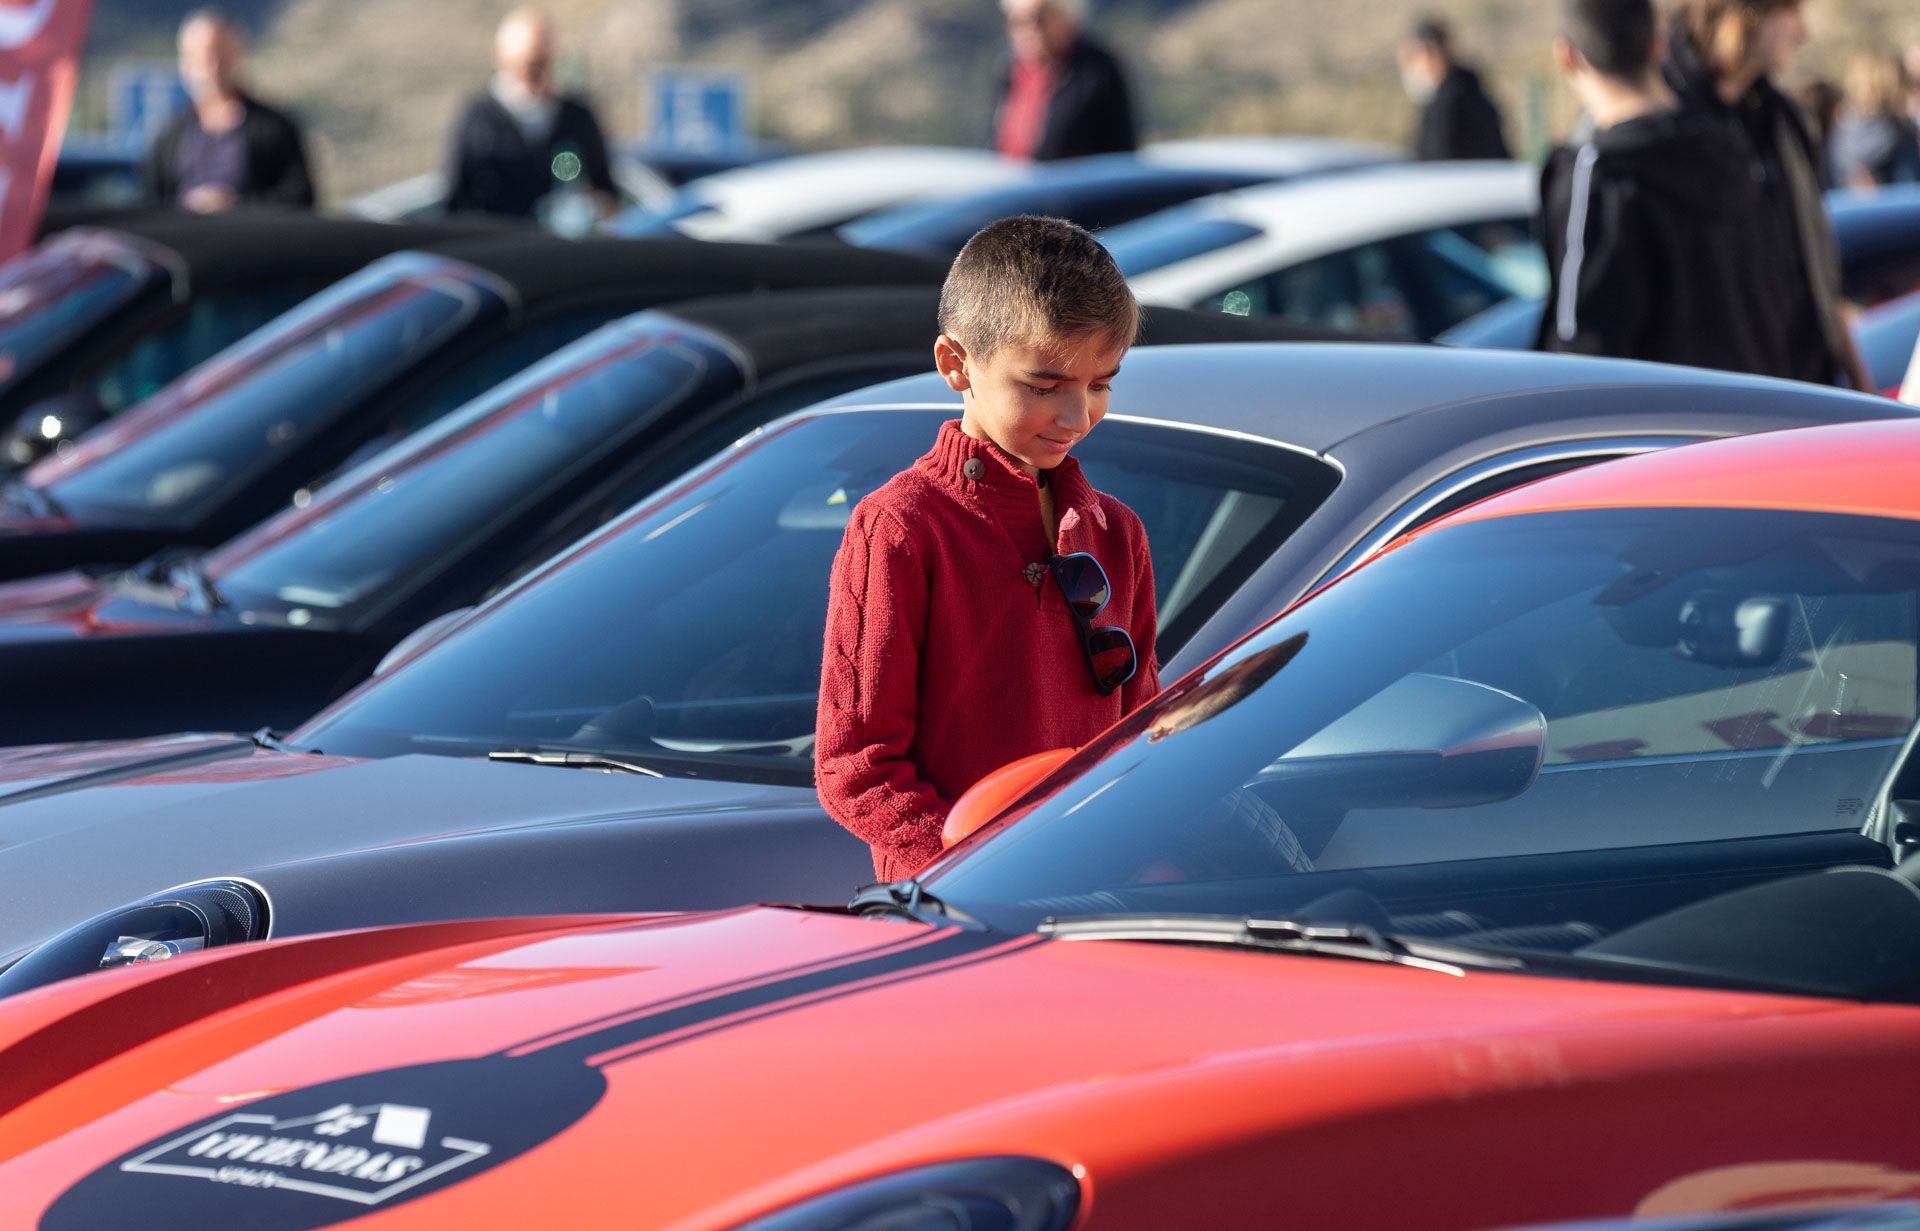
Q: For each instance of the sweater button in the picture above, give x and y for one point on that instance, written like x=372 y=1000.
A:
x=973 y=469
x=1036 y=573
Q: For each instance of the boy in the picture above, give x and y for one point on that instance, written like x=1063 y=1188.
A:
x=952 y=647
x=1642 y=223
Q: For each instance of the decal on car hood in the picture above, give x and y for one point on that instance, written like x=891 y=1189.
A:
x=320 y=1155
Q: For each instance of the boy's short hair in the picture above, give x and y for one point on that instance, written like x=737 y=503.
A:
x=1615 y=36
x=1032 y=281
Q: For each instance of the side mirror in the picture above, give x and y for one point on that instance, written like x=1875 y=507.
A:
x=1426 y=741
x=51 y=422
x=426 y=633
x=991 y=796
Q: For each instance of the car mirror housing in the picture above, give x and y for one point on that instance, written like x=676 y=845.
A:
x=1425 y=741
x=992 y=795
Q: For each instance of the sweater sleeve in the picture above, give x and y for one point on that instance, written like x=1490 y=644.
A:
x=1145 y=683
x=869 y=695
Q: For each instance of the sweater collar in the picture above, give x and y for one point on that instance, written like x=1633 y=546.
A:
x=978 y=472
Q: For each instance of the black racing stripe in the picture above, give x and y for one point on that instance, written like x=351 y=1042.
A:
x=914 y=936
x=954 y=943
x=1012 y=946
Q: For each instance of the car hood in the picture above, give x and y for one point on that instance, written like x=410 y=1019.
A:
x=85 y=828
x=694 y=1071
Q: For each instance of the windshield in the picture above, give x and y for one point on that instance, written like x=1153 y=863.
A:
x=56 y=292
x=178 y=454
x=691 y=637
x=1173 y=236
x=432 y=495
x=1526 y=732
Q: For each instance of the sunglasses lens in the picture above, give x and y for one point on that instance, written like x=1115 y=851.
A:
x=1113 y=657
x=1083 y=582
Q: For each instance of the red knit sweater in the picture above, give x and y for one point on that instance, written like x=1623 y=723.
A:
x=945 y=658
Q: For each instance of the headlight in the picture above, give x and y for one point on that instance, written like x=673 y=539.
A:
x=979 y=1194
x=203 y=915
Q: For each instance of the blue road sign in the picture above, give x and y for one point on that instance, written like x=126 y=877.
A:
x=697 y=109
x=143 y=97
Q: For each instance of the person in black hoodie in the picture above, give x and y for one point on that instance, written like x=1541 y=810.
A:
x=1458 y=120
x=519 y=140
x=1723 y=56
x=1639 y=222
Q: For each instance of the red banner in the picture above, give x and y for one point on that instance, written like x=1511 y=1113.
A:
x=40 y=42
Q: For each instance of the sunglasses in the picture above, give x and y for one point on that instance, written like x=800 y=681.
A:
x=1109 y=650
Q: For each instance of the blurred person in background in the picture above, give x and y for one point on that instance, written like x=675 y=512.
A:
x=1457 y=117
x=1062 y=95
x=1876 y=141
x=1822 y=100
x=1635 y=219
x=519 y=140
x=228 y=148
x=1723 y=57
x=1912 y=62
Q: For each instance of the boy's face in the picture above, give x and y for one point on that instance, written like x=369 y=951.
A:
x=1034 y=401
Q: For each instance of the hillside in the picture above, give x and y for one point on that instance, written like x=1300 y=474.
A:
x=380 y=79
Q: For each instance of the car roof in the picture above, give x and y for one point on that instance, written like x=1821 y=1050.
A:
x=252 y=247
x=1865 y=469
x=1332 y=393
x=1271 y=155
x=539 y=266
x=794 y=194
x=791 y=327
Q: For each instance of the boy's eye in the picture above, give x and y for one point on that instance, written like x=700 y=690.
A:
x=1042 y=391
x=1101 y=388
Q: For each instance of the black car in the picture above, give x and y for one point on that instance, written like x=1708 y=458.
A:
x=1102 y=191
x=630 y=726
x=276 y=623
x=378 y=356
x=97 y=317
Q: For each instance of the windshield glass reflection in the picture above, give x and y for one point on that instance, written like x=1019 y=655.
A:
x=1489 y=715
x=169 y=459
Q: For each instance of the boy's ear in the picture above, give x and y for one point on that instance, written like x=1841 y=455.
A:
x=950 y=360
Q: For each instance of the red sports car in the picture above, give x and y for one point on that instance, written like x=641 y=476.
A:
x=1545 y=867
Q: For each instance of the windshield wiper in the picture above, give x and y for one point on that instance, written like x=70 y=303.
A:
x=907 y=899
x=188 y=574
x=1348 y=940
x=24 y=495
x=566 y=759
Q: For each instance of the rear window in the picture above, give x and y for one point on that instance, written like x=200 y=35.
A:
x=54 y=294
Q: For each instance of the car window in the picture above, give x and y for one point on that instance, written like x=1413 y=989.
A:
x=1545 y=685
x=213 y=323
x=400 y=514
x=716 y=670
x=1446 y=279
x=178 y=454
x=1358 y=289
x=1176 y=235
x=506 y=357
x=52 y=294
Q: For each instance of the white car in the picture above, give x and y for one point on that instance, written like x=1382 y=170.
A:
x=812 y=194
x=1402 y=251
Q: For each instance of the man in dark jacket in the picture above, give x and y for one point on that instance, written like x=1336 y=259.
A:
x=1641 y=221
x=1062 y=95
x=520 y=140
x=228 y=148
x=1457 y=118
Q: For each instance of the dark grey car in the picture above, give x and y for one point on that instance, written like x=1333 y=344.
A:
x=630 y=727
